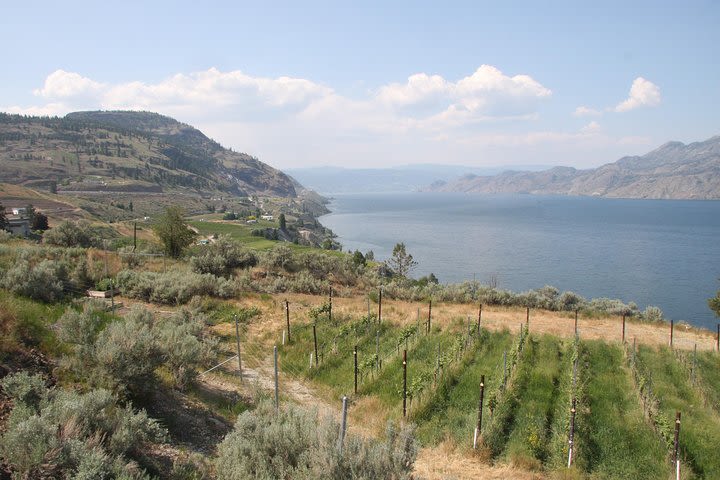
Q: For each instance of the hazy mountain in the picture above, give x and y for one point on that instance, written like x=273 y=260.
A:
x=405 y=178
x=128 y=151
x=674 y=170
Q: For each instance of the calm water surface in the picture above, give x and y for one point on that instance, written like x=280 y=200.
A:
x=652 y=252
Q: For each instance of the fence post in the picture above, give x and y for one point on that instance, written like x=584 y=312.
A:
x=717 y=339
x=356 y=368
x=343 y=424
x=571 y=439
x=380 y=307
x=527 y=315
x=478 y=428
x=277 y=395
x=479 y=318
x=315 y=341
x=576 y=320
x=429 y=315
x=623 y=329
x=404 y=383
x=237 y=340
x=283 y=337
x=676 y=457
x=287 y=319
x=330 y=311
x=377 y=350
x=672 y=324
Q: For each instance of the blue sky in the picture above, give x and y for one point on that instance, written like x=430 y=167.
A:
x=381 y=83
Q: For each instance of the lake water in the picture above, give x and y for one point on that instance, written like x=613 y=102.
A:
x=653 y=252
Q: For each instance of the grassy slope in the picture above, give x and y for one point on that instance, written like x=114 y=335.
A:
x=700 y=428
x=453 y=409
x=537 y=381
x=615 y=441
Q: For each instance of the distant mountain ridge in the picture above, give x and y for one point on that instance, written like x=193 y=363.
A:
x=128 y=151
x=405 y=178
x=672 y=171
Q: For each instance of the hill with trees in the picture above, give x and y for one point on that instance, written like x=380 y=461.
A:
x=128 y=151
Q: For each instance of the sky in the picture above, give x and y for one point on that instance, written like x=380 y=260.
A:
x=379 y=84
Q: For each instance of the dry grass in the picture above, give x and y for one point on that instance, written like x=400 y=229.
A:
x=445 y=462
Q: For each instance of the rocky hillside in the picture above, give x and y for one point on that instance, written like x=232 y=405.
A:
x=673 y=171
x=126 y=151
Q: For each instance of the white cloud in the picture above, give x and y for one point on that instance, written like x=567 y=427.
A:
x=592 y=127
x=643 y=93
x=482 y=117
x=583 y=111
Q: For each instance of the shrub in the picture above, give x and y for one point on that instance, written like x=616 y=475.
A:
x=127 y=353
x=25 y=389
x=44 y=281
x=72 y=234
x=74 y=435
x=174 y=287
x=222 y=256
x=294 y=444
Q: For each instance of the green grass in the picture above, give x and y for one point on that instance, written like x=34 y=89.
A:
x=452 y=411
x=700 y=428
x=237 y=231
x=613 y=439
x=25 y=322
x=536 y=389
x=708 y=377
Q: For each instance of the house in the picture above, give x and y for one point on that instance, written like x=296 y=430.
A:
x=20 y=211
x=269 y=218
x=18 y=225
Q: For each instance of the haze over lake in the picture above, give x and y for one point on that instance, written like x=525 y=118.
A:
x=652 y=252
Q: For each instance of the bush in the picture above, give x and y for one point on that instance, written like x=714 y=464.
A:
x=294 y=444
x=73 y=234
x=44 y=281
x=73 y=435
x=174 y=287
x=222 y=256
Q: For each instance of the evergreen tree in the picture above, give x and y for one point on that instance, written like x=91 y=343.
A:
x=173 y=232
x=283 y=224
x=40 y=222
x=401 y=262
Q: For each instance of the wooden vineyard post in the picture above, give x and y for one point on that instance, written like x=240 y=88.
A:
x=356 y=367
x=676 y=446
x=404 y=364
x=287 y=319
x=504 y=370
x=576 y=320
x=330 y=308
x=479 y=318
x=672 y=324
x=277 y=395
x=343 y=425
x=623 y=329
x=377 y=350
x=429 y=315
x=571 y=438
x=237 y=340
x=478 y=427
x=527 y=316
x=717 y=338
x=380 y=307
x=315 y=341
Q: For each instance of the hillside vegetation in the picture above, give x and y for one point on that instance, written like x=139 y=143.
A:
x=129 y=152
x=147 y=382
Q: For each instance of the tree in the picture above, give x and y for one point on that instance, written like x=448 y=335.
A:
x=173 y=231
x=714 y=304
x=401 y=262
x=40 y=222
x=3 y=218
x=283 y=224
